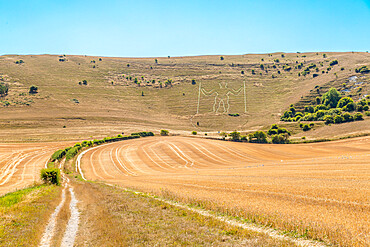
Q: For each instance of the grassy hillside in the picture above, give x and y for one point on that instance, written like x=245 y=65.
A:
x=164 y=95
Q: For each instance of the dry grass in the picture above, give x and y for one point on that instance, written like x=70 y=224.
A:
x=319 y=190
x=22 y=223
x=114 y=217
x=107 y=109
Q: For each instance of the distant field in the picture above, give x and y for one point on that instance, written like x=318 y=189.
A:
x=316 y=190
x=112 y=103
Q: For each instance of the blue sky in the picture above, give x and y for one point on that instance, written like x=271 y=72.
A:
x=143 y=28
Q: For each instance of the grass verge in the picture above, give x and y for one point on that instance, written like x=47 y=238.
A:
x=24 y=213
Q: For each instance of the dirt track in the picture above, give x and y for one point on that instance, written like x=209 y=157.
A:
x=20 y=163
x=321 y=188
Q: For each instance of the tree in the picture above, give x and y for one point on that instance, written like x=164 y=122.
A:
x=221 y=58
x=235 y=136
x=4 y=88
x=194 y=133
x=331 y=98
x=280 y=138
x=328 y=119
x=164 y=132
x=33 y=90
x=334 y=62
x=306 y=127
x=258 y=137
x=338 y=119
x=364 y=69
x=84 y=82
x=358 y=116
x=193 y=82
x=344 y=101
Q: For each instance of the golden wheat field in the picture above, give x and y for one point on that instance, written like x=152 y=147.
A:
x=318 y=190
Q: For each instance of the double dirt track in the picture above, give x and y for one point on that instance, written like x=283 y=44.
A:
x=20 y=163
x=321 y=188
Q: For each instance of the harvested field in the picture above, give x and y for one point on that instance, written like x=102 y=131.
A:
x=318 y=190
x=20 y=163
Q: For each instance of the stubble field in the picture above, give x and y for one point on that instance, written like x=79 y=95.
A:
x=316 y=190
x=20 y=163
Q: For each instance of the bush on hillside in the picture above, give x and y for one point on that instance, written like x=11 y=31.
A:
x=363 y=70
x=164 y=132
x=4 y=88
x=51 y=176
x=33 y=90
x=358 y=116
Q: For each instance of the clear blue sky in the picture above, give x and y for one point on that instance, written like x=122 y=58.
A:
x=142 y=28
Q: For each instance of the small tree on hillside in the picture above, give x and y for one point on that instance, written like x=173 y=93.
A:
x=331 y=98
x=4 y=88
x=164 y=132
x=33 y=90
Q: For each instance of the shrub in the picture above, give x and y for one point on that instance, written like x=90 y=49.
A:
x=331 y=98
x=363 y=70
x=334 y=62
x=271 y=132
x=221 y=58
x=367 y=113
x=164 y=133
x=315 y=75
x=258 y=137
x=33 y=90
x=235 y=136
x=358 y=116
x=58 y=155
x=194 y=133
x=328 y=119
x=51 y=175
x=338 y=119
x=4 y=88
x=84 y=82
x=143 y=133
x=280 y=139
x=72 y=152
x=320 y=107
x=347 y=117
x=312 y=125
x=193 y=82
x=344 y=101
x=306 y=127
x=309 y=109
x=350 y=107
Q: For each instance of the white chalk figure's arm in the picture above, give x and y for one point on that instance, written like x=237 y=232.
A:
x=235 y=92
x=207 y=93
